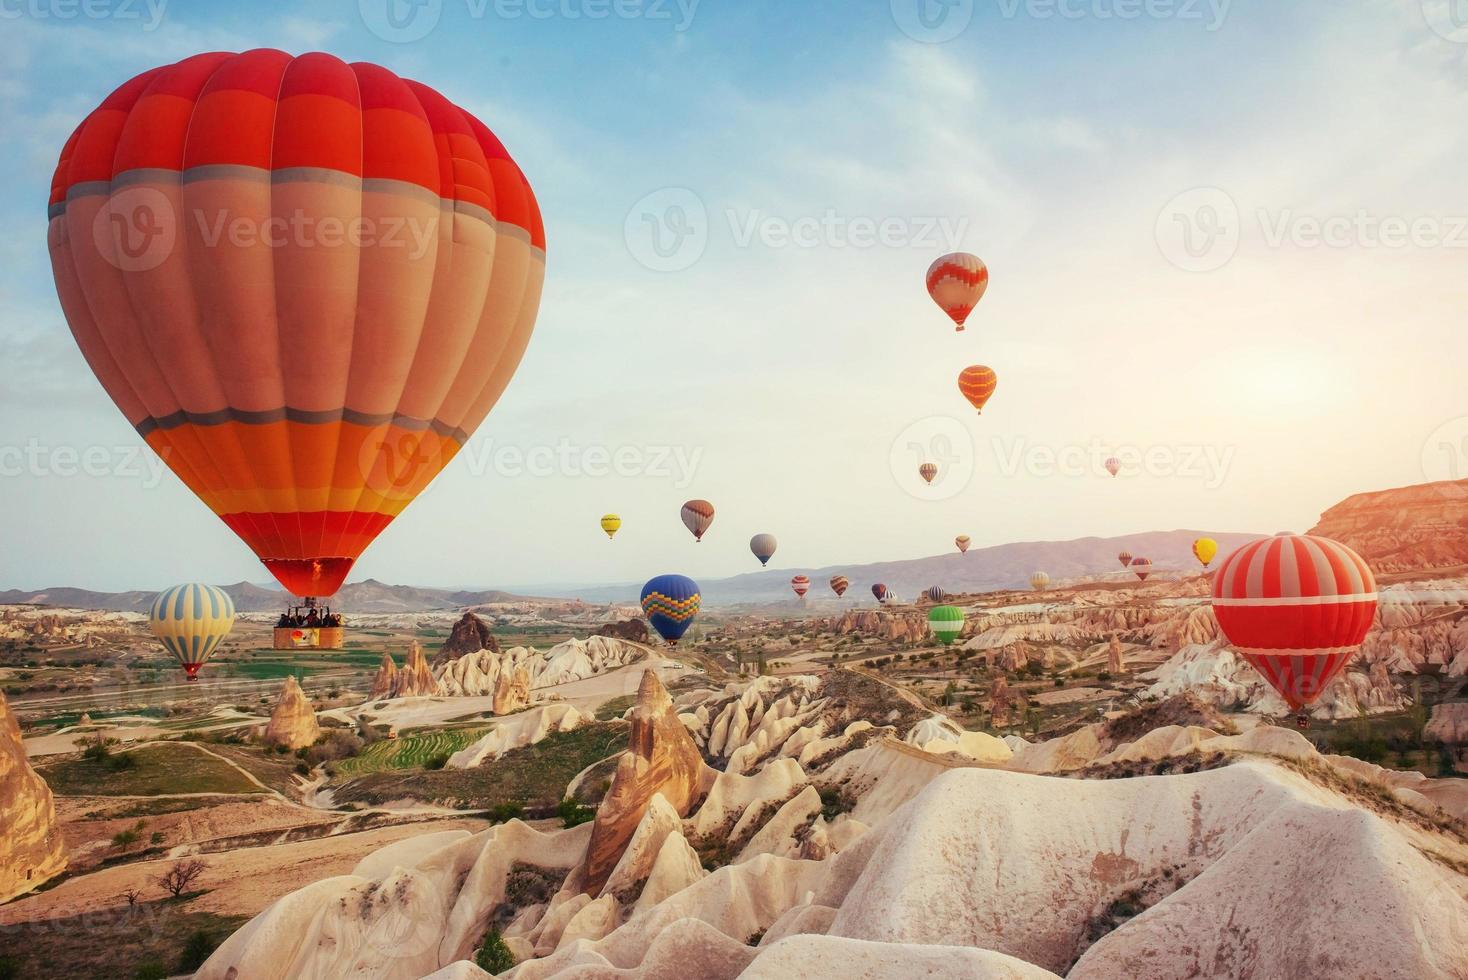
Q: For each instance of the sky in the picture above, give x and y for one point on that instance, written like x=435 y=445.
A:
x=1227 y=244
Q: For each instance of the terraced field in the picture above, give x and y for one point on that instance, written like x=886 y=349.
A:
x=409 y=751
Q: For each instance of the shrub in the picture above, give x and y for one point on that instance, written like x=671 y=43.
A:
x=1059 y=682
x=151 y=970
x=196 y=950
x=437 y=762
x=572 y=813
x=493 y=955
x=506 y=811
x=155 y=838
x=1103 y=677
x=124 y=839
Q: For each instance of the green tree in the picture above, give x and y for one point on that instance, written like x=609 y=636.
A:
x=494 y=955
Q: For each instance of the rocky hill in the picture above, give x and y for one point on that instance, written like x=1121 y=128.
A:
x=31 y=848
x=1406 y=529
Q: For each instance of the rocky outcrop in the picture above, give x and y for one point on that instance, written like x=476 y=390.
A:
x=479 y=674
x=293 y=722
x=660 y=759
x=415 y=679
x=469 y=635
x=512 y=690
x=1405 y=529
x=387 y=673
x=1448 y=723
x=524 y=729
x=894 y=626
x=1001 y=703
x=31 y=849
x=627 y=629
x=1115 y=663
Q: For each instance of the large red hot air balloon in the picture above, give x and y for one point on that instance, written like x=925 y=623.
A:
x=957 y=282
x=977 y=384
x=304 y=282
x=1296 y=607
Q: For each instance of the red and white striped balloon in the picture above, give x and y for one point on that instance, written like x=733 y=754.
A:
x=956 y=282
x=1296 y=607
x=1142 y=567
x=927 y=471
x=1113 y=465
x=801 y=585
x=697 y=516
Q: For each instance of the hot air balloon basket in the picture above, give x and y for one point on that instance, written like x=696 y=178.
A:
x=310 y=638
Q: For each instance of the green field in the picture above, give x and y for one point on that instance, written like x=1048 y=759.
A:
x=409 y=751
x=534 y=777
x=162 y=769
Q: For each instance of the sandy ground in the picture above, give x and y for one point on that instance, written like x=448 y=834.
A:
x=240 y=882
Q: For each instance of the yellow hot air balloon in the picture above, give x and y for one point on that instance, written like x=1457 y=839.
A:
x=191 y=621
x=1204 y=549
x=610 y=523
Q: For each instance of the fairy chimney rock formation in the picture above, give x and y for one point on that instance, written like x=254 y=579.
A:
x=1114 y=662
x=1001 y=702
x=293 y=722
x=660 y=759
x=31 y=848
x=469 y=635
x=387 y=674
x=512 y=690
x=415 y=679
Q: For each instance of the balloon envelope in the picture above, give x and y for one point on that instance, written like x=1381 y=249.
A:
x=935 y=593
x=670 y=602
x=1297 y=607
x=310 y=368
x=927 y=471
x=977 y=384
x=763 y=546
x=191 y=621
x=1204 y=549
x=946 y=622
x=801 y=585
x=697 y=516
x=1113 y=465
x=1125 y=558
x=957 y=282
x=1142 y=567
x=611 y=524
x=880 y=591
x=1039 y=581
x=962 y=541
x=839 y=585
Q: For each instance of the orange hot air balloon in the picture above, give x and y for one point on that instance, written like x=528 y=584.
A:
x=957 y=282
x=304 y=282
x=977 y=385
x=697 y=516
x=839 y=585
x=928 y=471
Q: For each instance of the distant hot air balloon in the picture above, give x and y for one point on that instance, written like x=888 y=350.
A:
x=611 y=523
x=306 y=383
x=801 y=585
x=1039 y=581
x=763 y=546
x=1204 y=549
x=1125 y=558
x=191 y=621
x=1113 y=465
x=927 y=471
x=1142 y=567
x=977 y=384
x=880 y=591
x=946 y=622
x=697 y=516
x=1297 y=607
x=839 y=585
x=962 y=542
x=670 y=602
x=956 y=282
x=935 y=593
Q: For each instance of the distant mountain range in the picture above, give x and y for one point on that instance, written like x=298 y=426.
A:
x=370 y=596
x=1003 y=566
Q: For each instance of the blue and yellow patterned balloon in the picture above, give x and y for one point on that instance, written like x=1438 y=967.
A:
x=670 y=602
x=191 y=621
